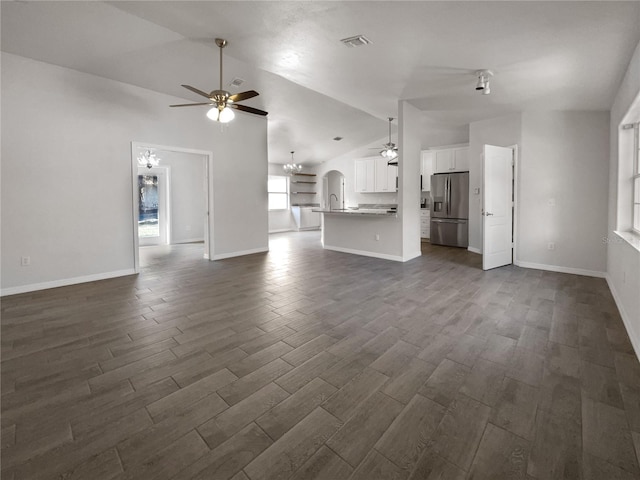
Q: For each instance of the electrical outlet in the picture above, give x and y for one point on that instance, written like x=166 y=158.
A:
x=551 y=246
x=25 y=261
x=377 y=237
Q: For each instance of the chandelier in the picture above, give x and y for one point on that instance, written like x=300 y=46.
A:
x=292 y=168
x=148 y=159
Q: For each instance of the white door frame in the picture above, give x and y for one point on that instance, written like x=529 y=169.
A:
x=516 y=205
x=208 y=185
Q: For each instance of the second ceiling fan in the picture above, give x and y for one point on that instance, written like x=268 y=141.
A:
x=389 y=149
x=222 y=101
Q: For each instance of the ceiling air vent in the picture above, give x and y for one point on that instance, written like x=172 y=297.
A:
x=236 y=82
x=356 y=41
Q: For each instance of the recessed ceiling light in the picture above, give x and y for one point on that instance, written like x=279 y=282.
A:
x=337 y=139
x=356 y=41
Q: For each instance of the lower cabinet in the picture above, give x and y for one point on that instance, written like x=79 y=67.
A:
x=425 y=223
x=305 y=218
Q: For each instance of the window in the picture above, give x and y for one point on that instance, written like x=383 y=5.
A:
x=278 y=188
x=636 y=179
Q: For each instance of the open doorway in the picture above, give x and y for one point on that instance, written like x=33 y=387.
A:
x=171 y=198
x=154 y=221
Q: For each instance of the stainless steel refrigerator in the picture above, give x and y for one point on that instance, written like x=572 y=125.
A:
x=450 y=209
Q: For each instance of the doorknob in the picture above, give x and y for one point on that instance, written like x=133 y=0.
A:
x=489 y=214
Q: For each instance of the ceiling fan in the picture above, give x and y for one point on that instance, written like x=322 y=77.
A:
x=389 y=149
x=221 y=100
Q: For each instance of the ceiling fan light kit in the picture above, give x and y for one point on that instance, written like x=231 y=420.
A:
x=223 y=116
x=390 y=151
x=222 y=101
x=484 y=77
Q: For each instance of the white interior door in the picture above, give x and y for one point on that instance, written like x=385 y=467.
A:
x=497 y=212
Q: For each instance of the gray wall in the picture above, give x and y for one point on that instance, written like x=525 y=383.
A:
x=63 y=129
x=563 y=190
x=502 y=131
x=623 y=259
x=188 y=196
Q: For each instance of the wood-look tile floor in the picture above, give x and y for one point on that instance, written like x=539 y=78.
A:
x=310 y=364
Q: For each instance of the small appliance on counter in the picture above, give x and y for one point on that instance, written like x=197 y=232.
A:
x=450 y=209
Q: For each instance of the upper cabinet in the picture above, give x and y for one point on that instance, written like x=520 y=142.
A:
x=365 y=176
x=373 y=175
x=451 y=160
x=385 y=176
x=426 y=169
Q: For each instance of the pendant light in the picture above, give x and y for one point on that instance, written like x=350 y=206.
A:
x=292 y=168
x=148 y=159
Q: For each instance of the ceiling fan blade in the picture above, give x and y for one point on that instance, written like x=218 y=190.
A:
x=195 y=90
x=191 y=104
x=244 y=108
x=238 y=97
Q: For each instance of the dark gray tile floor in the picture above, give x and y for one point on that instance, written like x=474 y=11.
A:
x=310 y=364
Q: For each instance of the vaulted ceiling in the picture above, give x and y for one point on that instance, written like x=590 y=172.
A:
x=545 y=55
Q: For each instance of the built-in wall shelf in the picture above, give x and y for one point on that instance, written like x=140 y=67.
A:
x=298 y=181
x=305 y=174
x=304 y=193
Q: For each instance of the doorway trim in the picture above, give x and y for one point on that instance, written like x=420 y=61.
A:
x=208 y=167
x=516 y=203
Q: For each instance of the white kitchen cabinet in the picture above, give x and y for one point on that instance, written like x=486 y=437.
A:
x=385 y=176
x=426 y=169
x=305 y=218
x=425 y=223
x=374 y=175
x=451 y=160
x=365 y=175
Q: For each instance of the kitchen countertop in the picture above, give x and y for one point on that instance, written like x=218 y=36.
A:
x=375 y=212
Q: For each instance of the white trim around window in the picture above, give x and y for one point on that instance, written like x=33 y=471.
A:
x=278 y=192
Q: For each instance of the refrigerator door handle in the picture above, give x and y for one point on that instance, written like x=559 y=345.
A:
x=448 y=195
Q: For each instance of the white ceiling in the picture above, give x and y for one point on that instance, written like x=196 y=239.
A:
x=545 y=55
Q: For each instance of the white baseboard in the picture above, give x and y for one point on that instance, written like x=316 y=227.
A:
x=559 y=269
x=384 y=256
x=65 y=282
x=417 y=254
x=222 y=256
x=281 y=230
x=634 y=335
x=189 y=240
x=474 y=250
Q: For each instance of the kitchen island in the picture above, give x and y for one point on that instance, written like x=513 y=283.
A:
x=372 y=232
